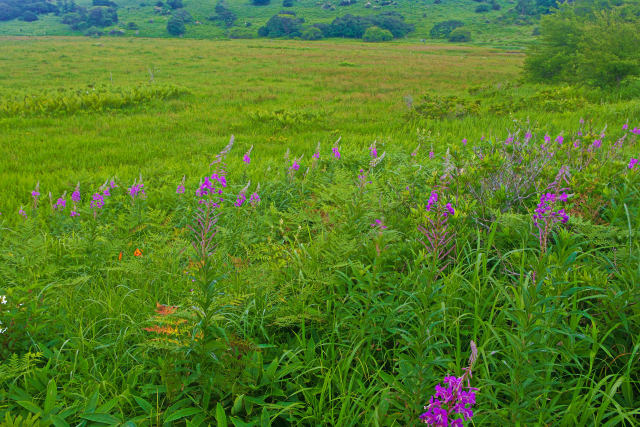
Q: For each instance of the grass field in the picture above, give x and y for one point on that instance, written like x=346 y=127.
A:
x=354 y=282
x=351 y=90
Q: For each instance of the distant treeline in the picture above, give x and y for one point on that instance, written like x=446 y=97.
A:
x=27 y=10
x=287 y=24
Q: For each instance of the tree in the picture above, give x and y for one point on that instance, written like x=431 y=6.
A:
x=459 y=35
x=287 y=3
x=183 y=15
x=592 y=43
x=29 y=16
x=282 y=25
x=441 y=30
x=175 y=26
x=312 y=33
x=224 y=14
x=377 y=34
x=175 y=4
x=101 y=16
x=261 y=2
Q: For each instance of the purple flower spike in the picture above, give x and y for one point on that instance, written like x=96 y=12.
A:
x=449 y=210
x=432 y=200
x=452 y=405
x=75 y=196
x=633 y=162
x=97 y=202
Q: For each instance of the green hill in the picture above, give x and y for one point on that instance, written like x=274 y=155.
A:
x=490 y=22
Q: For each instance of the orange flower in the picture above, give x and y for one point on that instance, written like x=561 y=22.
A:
x=138 y=252
x=165 y=310
x=120 y=256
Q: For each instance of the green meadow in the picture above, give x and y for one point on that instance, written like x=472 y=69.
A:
x=409 y=212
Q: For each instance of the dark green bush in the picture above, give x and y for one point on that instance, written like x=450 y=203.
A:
x=29 y=16
x=483 y=8
x=223 y=14
x=282 y=25
x=102 y=16
x=175 y=26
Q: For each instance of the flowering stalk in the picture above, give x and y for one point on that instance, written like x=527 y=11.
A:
x=242 y=197
x=547 y=214
x=379 y=226
x=180 y=188
x=137 y=190
x=316 y=157
x=254 y=200
x=373 y=151
x=448 y=404
x=35 y=194
x=336 y=149
x=440 y=241
x=247 y=156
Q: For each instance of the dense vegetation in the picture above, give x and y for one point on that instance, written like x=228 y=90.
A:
x=223 y=19
x=451 y=221
x=589 y=42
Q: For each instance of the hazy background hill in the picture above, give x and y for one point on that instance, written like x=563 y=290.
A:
x=492 y=22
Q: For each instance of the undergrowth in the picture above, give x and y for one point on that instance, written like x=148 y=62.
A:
x=334 y=288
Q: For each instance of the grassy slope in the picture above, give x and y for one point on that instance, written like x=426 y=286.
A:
x=422 y=13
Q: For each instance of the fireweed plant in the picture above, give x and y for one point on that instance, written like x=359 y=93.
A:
x=325 y=299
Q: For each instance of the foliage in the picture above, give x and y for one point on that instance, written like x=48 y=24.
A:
x=587 y=43
x=12 y=9
x=311 y=312
x=175 y=4
x=224 y=14
x=459 y=35
x=311 y=33
x=282 y=25
x=101 y=16
x=90 y=99
x=377 y=34
x=175 y=26
x=242 y=33
x=351 y=26
x=358 y=267
x=441 y=30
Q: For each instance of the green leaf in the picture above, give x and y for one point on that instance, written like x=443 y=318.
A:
x=221 y=417
x=58 y=421
x=52 y=394
x=237 y=405
x=265 y=419
x=181 y=413
x=101 y=418
x=146 y=406
x=30 y=406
